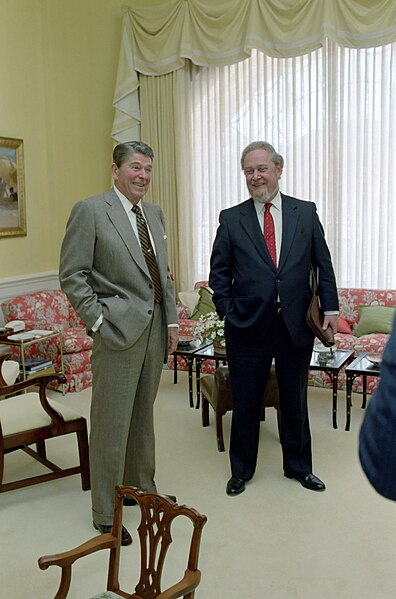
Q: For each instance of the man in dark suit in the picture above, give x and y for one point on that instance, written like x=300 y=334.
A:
x=120 y=285
x=260 y=274
x=377 y=441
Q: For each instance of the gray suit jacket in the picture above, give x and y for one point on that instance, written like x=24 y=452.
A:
x=103 y=271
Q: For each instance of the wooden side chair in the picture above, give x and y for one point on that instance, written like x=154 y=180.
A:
x=157 y=515
x=216 y=391
x=29 y=419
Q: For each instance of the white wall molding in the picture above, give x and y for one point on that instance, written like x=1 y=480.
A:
x=12 y=286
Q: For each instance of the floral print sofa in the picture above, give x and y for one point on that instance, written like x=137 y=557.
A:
x=50 y=309
x=350 y=300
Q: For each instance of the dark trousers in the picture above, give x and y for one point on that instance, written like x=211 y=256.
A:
x=249 y=361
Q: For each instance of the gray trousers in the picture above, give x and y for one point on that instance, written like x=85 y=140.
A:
x=122 y=443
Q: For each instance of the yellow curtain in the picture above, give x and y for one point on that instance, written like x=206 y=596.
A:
x=164 y=102
x=158 y=37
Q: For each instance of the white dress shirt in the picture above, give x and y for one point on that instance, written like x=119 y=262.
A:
x=276 y=211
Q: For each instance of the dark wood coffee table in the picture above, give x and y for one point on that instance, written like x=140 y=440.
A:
x=332 y=367
x=359 y=367
x=206 y=351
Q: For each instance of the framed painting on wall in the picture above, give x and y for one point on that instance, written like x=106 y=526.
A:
x=12 y=188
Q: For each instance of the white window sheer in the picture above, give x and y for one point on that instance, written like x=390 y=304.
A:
x=329 y=113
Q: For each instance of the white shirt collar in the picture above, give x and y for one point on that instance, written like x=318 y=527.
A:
x=127 y=205
x=276 y=203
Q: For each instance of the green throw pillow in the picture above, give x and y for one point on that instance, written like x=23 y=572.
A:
x=374 y=319
x=204 y=305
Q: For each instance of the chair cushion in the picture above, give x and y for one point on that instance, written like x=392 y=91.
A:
x=24 y=412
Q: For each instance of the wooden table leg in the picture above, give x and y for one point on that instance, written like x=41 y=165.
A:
x=349 y=381
x=335 y=385
x=198 y=380
x=174 y=369
x=190 y=362
x=364 y=391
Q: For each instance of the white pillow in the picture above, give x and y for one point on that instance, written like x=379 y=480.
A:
x=10 y=371
x=189 y=299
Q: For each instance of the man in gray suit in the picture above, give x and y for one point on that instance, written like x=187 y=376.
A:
x=114 y=270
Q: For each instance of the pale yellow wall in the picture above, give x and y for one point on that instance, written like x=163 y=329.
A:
x=57 y=76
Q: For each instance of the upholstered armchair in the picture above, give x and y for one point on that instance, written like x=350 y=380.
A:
x=50 y=309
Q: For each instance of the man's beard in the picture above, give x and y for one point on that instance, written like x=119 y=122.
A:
x=266 y=198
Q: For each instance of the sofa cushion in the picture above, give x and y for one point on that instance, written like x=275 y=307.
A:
x=189 y=299
x=76 y=340
x=373 y=343
x=374 y=319
x=344 y=326
x=205 y=303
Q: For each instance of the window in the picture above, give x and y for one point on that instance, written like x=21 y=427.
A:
x=329 y=113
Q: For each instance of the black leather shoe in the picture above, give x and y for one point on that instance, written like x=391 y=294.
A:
x=126 y=538
x=309 y=481
x=131 y=501
x=235 y=486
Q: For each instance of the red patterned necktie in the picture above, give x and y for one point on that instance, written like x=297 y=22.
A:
x=269 y=231
x=148 y=252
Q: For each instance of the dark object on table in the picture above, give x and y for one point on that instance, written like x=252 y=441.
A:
x=315 y=317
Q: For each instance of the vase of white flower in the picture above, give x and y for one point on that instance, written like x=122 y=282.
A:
x=211 y=328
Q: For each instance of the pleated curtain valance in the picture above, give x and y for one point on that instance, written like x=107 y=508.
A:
x=159 y=36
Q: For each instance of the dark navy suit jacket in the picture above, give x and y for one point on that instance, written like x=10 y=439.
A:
x=377 y=442
x=246 y=282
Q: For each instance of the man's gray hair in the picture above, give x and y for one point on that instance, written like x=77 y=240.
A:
x=262 y=145
x=122 y=151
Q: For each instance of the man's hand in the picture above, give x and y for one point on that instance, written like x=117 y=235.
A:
x=331 y=320
x=173 y=338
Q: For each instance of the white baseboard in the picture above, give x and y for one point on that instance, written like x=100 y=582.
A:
x=12 y=286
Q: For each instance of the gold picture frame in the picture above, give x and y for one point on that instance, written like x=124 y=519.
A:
x=12 y=188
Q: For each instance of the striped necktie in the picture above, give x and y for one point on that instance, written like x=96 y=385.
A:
x=269 y=231
x=148 y=252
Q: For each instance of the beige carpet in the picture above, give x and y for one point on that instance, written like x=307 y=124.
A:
x=276 y=540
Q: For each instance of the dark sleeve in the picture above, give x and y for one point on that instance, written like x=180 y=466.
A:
x=220 y=276
x=377 y=440
x=321 y=260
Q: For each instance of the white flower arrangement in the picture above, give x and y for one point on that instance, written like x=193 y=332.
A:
x=211 y=327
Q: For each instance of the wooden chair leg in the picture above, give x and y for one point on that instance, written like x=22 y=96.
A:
x=1 y=467
x=83 y=452
x=205 y=411
x=219 y=431
x=41 y=449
